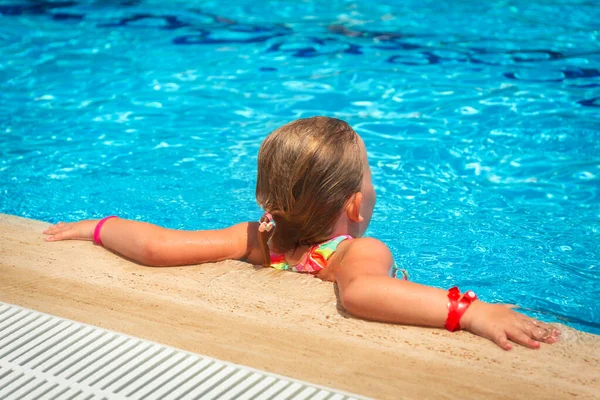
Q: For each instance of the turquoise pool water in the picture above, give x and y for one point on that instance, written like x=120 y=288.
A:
x=482 y=121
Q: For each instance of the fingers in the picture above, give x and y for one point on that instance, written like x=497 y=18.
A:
x=60 y=231
x=553 y=336
x=60 y=227
x=52 y=238
x=550 y=336
x=58 y=236
x=502 y=341
x=518 y=336
x=539 y=330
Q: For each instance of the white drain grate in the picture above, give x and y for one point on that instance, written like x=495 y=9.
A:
x=46 y=357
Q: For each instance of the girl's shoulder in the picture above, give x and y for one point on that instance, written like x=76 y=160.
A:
x=368 y=253
x=367 y=248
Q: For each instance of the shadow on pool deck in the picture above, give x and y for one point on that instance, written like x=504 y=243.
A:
x=280 y=322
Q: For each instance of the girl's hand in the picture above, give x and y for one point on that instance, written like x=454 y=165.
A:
x=81 y=230
x=499 y=323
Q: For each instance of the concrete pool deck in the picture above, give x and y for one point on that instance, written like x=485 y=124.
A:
x=280 y=322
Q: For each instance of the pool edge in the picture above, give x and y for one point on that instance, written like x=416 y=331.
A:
x=234 y=312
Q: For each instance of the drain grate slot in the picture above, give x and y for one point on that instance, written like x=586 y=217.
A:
x=46 y=357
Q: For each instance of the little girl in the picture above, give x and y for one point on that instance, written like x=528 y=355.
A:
x=314 y=183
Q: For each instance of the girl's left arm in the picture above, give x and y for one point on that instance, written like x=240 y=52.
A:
x=155 y=246
x=368 y=292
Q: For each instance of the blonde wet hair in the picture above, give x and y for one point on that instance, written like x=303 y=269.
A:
x=307 y=171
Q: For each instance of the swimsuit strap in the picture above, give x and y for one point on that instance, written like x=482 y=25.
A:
x=316 y=258
x=399 y=273
x=326 y=249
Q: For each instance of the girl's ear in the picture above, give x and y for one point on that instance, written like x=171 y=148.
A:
x=353 y=207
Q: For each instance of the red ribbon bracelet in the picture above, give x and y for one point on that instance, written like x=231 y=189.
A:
x=456 y=307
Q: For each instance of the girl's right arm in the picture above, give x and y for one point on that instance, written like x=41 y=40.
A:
x=156 y=246
x=368 y=292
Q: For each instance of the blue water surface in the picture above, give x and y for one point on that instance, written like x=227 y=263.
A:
x=482 y=122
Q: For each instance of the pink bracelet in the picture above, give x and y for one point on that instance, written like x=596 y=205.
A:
x=98 y=227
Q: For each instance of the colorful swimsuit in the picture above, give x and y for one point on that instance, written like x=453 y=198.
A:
x=317 y=256
x=314 y=261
